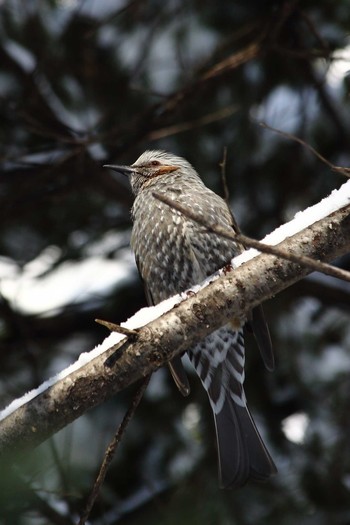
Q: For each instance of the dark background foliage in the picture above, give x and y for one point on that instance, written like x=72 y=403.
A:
x=84 y=83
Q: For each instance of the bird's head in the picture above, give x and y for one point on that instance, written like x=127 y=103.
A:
x=151 y=165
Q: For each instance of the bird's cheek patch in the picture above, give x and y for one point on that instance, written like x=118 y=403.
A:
x=165 y=169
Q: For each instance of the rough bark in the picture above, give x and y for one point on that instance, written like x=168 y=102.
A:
x=234 y=293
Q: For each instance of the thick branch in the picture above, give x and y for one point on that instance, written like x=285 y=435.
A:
x=234 y=293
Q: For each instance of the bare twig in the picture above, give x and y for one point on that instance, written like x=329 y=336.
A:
x=111 y=449
x=314 y=31
x=196 y=123
x=302 y=260
x=222 y=165
x=235 y=60
x=340 y=169
x=117 y=328
x=252 y=243
x=286 y=10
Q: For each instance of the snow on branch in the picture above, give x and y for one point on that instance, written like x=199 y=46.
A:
x=322 y=232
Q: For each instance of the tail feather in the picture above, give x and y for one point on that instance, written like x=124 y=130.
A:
x=219 y=362
x=242 y=453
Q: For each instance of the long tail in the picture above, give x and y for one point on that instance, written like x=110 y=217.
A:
x=219 y=362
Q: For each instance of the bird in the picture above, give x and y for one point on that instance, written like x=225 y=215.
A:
x=173 y=253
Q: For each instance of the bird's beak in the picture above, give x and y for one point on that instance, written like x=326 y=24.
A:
x=124 y=170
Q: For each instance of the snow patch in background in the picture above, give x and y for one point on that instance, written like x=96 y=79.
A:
x=340 y=66
x=294 y=427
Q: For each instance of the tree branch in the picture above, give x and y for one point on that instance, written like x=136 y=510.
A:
x=304 y=260
x=111 y=449
x=234 y=293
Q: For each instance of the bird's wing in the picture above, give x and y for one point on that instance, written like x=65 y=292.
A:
x=258 y=325
x=175 y=365
x=179 y=375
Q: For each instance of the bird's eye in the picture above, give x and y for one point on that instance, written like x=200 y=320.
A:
x=155 y=163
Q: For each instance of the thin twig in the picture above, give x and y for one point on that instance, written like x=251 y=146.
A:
x=117 y=328
x=302 y=260
x=286 y=10
x=340 y=169
x=313 y=30
x=222 y=165
x=236 y=59
x=252 y=243
x=111 y=449
x=196 y=123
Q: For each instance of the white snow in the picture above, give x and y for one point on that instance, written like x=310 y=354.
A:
x=41 y=288
x=79 y=283
x=294 y=427
x=339 y=67
x=141 y=318
x=336 y=200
